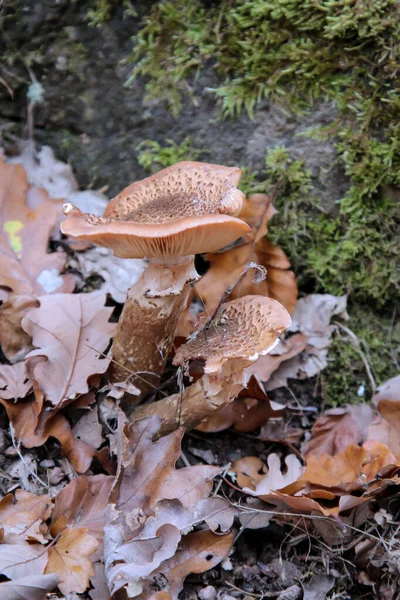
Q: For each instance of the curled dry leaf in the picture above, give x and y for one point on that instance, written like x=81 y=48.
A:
x=14 y=341
x=82 y=503
x=198 y=552
x=380 y=430
x=34 y=587
x=338 y=428
x=265 y=366
x=248 y=412
x=27 y=217
x=312 y=318
x=226 y=266
x=352 y=468
x=387 y=401
x=14 y=381
x=154 y=506
x=25 y=514
x=70 y=560
x=32 y=426
x=69 y=344
x=57 y=178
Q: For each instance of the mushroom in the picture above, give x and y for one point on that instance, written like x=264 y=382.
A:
x=181 y=211
x=243 y=330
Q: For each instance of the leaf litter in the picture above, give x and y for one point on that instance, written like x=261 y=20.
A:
x=94 y=504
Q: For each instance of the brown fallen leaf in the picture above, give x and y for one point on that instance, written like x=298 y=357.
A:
x=25 y=514
x=198 y=552
x=82 y=503
x=69 y=344
x=387 y=401
x=14 y=381
x=33 y=425
x=351 y=469
x=34 y=587
x=248 y=412
x=380 y=430
x=14 y=341
x=312 y=318
x=226 y=266
x=154 y=505
x=337 y=429
x=27 y=217
x=70 y=560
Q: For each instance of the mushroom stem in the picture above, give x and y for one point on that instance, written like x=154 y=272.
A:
x=197 y=402
x=147 y=325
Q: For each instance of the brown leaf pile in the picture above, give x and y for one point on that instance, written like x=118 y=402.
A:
x=116 y=517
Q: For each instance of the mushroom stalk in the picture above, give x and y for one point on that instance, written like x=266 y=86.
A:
x=148 y=322
x=196 y=403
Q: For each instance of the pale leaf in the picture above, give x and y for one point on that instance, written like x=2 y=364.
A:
x=34 y=587
x=70 y=331
x=70 y=560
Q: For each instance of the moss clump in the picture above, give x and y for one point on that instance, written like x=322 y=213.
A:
x=100 y=11
x=152 y=156
x=345 y=380
x=295 y=52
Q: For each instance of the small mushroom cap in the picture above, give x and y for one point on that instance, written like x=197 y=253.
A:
x=244 y=329
x=185 y=209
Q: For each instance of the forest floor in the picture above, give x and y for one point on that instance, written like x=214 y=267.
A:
x=63 y=73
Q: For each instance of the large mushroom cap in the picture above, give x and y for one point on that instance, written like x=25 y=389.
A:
x=185 y=209
x=244 y=329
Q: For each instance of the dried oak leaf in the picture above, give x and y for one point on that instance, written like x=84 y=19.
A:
x=198 y=552
x=154 y=506
x=14 y=381
x=70 y=560
x=248 y=412
x=70 y=331
x=349 y=470
x=27 y=217
x=33 y=425
x=387 y=401
x=264 y=367
x=83 y=503
x=226 y=266
x=338 y=428
x=312 y=318
x=34 y=587
x=380 y=430
x=14 y=341
x=25 y=514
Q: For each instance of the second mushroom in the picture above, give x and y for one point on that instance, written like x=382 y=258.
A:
x=181 y=211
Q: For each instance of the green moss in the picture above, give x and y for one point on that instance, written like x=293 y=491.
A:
x=295 y=52
x=345 y=380
x=153 y=157
x=101 y=11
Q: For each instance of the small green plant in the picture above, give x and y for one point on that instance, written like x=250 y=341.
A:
x=153 y=157
x=102 y=11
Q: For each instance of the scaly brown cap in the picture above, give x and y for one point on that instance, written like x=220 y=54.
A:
x=244 y=329
x=185 y=209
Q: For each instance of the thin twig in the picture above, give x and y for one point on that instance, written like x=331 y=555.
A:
x=356 y=344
